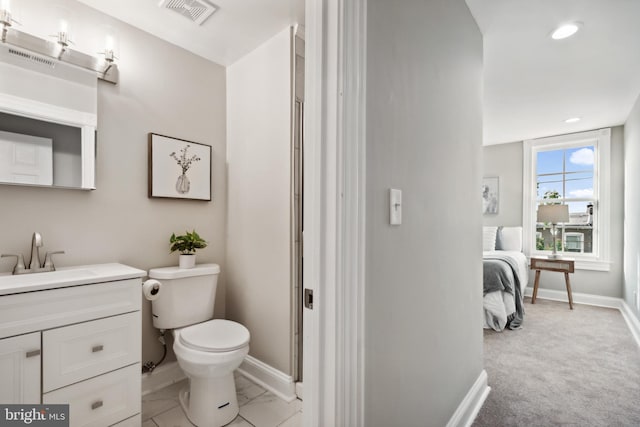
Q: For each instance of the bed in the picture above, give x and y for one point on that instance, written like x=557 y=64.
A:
x=505 y=277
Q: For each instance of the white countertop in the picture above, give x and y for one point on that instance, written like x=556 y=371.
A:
x=67 y=276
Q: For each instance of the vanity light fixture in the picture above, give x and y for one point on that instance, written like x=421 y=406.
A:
x=29 y=46
x=573 y=120
x=63 y=38
x=564 y=31
x=110 y=47
x=6 y=20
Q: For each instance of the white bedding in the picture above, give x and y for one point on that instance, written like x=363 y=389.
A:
x=499 y=305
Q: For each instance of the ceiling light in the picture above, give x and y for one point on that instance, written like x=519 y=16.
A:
x=565 y=31
x=573 y=120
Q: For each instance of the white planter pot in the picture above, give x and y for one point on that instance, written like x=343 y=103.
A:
x=187 y=261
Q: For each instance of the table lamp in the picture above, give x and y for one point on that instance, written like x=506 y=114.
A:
x=553 y=214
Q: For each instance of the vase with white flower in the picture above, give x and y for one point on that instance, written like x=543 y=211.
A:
x=183 y=185
x=187 y=244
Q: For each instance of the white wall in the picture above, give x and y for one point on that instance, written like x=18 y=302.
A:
x=259 y=208
x=506 y=161
x=632 y=209
x=423 y=326
x=162 y=89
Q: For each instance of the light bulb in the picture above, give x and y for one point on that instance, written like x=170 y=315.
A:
x=565 y=31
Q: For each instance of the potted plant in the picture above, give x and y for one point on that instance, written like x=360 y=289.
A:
x=187 y=244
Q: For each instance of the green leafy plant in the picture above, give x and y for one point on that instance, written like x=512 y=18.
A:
x=188 y=243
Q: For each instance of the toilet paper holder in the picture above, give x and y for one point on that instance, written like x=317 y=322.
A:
x=151 y=289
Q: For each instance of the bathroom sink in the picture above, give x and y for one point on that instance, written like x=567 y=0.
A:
x=21 y=281
x=67 y=276
x=49 y=276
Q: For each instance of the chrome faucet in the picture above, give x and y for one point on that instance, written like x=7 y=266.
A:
x=34 y=264
x=36 y=244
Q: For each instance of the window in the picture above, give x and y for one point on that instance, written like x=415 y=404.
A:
x=573 y=242
x=572 y=170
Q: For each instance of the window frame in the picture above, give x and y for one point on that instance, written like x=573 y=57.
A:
x=601 y=141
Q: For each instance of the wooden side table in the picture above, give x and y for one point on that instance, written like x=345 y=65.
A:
x=565 y=266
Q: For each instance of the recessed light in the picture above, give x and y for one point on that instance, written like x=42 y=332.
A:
x=573 y=120
x=565 y=31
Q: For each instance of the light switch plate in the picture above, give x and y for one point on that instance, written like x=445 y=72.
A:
x=395 y=206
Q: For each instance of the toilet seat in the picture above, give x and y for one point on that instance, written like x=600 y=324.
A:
x=215 y=336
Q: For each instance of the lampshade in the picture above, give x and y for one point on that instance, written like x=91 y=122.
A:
x=553 y=213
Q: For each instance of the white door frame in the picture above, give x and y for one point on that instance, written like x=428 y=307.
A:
x=334 y=212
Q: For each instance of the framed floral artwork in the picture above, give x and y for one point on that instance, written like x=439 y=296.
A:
x=179 y=169
x=490 y=195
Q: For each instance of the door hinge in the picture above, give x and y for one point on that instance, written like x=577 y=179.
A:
x=308 y=298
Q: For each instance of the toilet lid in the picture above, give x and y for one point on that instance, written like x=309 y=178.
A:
x=215 y=336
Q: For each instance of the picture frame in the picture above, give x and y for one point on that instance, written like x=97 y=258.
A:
x=490 y=195
x=179 y=169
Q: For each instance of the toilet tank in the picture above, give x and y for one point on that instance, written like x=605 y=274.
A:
x=186 y=296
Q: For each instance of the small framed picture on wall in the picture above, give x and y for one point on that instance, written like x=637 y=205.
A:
x=179 y=169
x=490 y=195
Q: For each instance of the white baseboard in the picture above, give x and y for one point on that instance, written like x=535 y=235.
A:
x=632 y=321
x=300 y=390
x=578 y=298
x=163 y=376
x=470 y=406
x=275 y=381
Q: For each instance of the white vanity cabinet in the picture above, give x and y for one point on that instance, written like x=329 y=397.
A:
x=20 y=369
x=75 y=339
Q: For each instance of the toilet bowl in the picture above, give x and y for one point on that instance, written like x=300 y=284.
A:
x=208 y=350
x=208 y=353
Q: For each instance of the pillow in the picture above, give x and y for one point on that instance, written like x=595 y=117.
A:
x=509 y=239
x=489 y=235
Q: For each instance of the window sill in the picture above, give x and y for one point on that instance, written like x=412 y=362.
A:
x=580 y=263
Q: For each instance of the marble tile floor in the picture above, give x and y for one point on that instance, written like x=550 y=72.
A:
x=258 y=408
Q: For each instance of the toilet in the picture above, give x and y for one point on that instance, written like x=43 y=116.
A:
x=208 y=350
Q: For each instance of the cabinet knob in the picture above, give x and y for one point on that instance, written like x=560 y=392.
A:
x=96 y=405
x=97 y=348
x=33 y=353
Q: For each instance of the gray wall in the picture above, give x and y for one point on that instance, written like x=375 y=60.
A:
x=259 y=208
x=505 y=161
x=423 y=342
x=162 y=89
x=632 y=209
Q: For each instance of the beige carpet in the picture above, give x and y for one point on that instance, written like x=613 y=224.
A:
x=565 y=367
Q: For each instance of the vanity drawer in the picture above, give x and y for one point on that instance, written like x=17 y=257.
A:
x=77 y=352
x=101 y=401
x=35 y=311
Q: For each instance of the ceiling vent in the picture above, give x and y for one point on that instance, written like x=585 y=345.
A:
x=195 y=10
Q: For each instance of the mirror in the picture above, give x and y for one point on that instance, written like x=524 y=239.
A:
x=35 y=152
x=40 y=153
x=48 y=118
